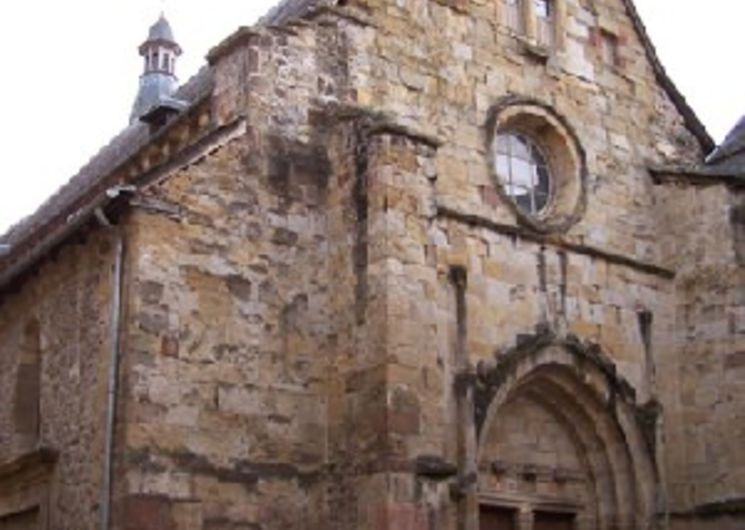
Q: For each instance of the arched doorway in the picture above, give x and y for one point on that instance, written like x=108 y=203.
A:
x=559 y=444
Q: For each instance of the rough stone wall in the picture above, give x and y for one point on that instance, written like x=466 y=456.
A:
x=68 y=295
x=231 y=324
x=296 y=333
x=358 y=420
x=704 y=452
x=599 y=281
x=269 y=290
x=226 y=345
x=414 y=392
x=509 y=292
x=446 y=84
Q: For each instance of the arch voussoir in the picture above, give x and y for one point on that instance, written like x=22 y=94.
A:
x=580 y=398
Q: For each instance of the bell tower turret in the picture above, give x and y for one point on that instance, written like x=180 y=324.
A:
x=158 y=82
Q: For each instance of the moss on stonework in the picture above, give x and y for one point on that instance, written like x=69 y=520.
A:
x=491 y=377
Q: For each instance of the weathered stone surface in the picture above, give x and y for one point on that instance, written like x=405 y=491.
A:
x=68 y=300
x=298 y=353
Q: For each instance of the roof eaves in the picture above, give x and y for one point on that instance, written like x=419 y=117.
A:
x=27 y=241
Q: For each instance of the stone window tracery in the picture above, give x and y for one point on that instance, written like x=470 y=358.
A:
x=526 y=173
x=538 y=164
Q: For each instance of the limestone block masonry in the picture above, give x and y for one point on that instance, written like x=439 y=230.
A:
x=337 y=314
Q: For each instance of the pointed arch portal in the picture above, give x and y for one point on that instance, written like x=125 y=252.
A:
x=560 y=443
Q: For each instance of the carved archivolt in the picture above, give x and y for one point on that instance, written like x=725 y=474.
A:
x=559 y=431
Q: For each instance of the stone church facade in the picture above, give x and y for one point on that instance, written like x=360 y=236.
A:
x=412 y=264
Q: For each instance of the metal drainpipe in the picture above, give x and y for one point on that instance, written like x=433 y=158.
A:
x=113 y=383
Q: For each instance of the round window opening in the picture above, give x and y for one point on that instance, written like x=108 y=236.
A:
x=525 y=171
x=538 y=165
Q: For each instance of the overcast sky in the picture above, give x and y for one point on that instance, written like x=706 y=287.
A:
x=71 y=68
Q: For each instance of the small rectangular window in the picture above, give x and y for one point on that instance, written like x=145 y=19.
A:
x=512 y=16
x=609 y=49
x=544 y=11
x=26 y=411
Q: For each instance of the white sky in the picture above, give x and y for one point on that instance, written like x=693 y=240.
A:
x=71 y=68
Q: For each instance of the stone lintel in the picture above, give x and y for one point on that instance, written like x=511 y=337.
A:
x=42 y=458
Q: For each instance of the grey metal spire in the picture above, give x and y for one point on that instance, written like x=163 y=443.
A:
x=158 y=83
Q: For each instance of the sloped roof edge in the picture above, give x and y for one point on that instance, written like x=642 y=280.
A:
x=691 y=120
x=85 y=188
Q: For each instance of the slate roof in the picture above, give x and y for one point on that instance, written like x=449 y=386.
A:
x=161 y=30
x=732 y=151
x=725 y=165
x=733 y=165
x=118 y=150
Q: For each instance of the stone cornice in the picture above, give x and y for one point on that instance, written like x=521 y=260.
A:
x=696 y=176
x=563 y=243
